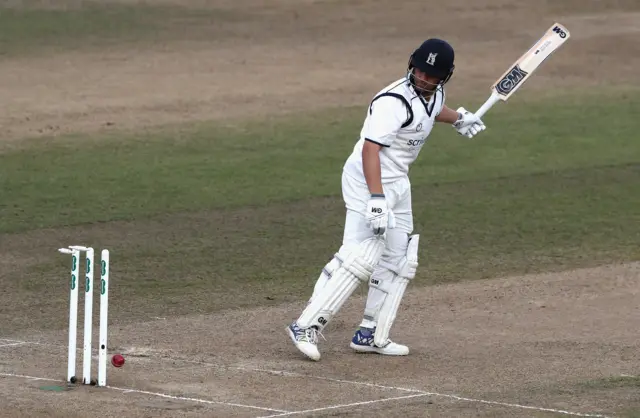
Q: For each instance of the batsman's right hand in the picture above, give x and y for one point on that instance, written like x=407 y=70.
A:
x=377 y=214
x=468 y=124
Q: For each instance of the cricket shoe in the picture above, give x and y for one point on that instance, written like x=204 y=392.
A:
x=362 y=342
x=306 y=340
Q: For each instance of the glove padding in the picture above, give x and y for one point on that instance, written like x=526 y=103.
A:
x=468 y=124
x=377 y=214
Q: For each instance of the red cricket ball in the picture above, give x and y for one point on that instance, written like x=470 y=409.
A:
x=117 y=360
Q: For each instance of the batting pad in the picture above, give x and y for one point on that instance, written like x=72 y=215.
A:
x=356 y=268
x=394 y=290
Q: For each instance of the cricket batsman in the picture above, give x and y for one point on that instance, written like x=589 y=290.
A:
x=378 y=247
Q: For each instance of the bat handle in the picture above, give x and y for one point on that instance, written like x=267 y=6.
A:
x=488 y=104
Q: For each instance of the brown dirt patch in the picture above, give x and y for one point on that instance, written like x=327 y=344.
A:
x=280 y=57
x=530 y=340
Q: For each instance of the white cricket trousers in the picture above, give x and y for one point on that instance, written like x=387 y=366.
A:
x=398 y=195
x=356 y=196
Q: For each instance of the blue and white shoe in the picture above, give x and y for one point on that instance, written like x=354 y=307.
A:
x=305 y=340
x=362 y=342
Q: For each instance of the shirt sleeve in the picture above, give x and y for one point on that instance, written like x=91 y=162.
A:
x=387 y=116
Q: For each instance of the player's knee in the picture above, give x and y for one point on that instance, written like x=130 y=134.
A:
x=401 y=259
x=358 y=266
x=393 y=259
x=362 y=259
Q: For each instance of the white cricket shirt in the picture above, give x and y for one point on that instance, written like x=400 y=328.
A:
x=401 y=130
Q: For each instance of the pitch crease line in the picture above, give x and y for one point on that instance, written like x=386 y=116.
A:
x=158 y=394
x=308 y=411
x=416 y=392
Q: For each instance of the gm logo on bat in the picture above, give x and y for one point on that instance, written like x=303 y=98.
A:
x=511 y=80
x=560 y=32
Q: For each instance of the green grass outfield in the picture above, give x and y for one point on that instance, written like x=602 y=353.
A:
x=252 y=213
x=34 y=27
x=76 y=179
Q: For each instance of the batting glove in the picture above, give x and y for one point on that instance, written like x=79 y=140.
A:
x=468 y=124
x=377 y=214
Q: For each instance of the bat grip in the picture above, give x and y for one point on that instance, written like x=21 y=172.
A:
x=488 y=104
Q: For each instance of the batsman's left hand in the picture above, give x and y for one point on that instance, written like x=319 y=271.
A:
x=377 y=214
x=468 y=124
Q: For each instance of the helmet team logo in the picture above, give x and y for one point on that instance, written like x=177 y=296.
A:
x=511 y=80
x=431 y=59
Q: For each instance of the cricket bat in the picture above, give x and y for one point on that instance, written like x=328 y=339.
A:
x=521 y=70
